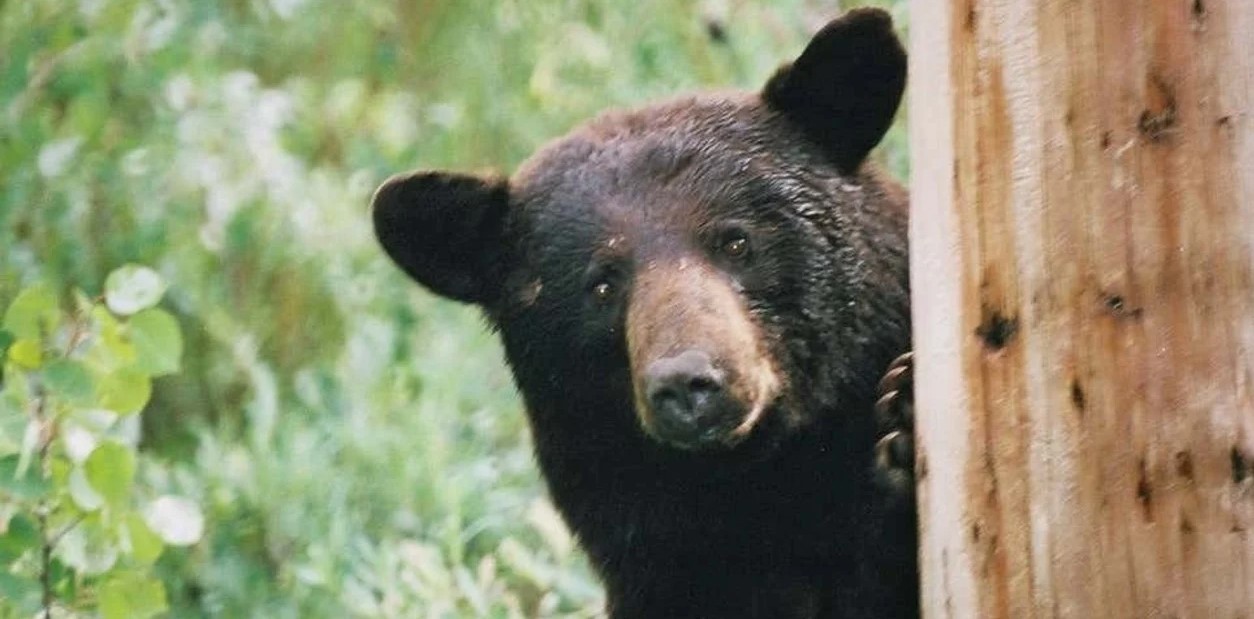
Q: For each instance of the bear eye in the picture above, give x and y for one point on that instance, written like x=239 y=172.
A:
x=735 y=246
x=603 y=292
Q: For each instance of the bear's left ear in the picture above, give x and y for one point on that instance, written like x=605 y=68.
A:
x=447 y=231
x=845 y=88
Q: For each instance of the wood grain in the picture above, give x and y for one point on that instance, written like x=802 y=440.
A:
x=1082 y=255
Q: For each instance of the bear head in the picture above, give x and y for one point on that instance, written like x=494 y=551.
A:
x=704 y=276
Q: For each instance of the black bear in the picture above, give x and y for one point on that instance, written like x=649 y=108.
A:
x=697 y=301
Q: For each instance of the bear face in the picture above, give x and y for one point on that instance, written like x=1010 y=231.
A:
x=696 y=299
x=679 y=245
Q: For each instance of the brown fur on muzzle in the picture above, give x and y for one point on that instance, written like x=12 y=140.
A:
x=686 y=305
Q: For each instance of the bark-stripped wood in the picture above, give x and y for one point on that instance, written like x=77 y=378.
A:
x=1082 y=243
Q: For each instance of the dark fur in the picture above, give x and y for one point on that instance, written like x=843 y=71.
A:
x=789 y=523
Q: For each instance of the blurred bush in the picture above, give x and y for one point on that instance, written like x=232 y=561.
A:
x=356 y=444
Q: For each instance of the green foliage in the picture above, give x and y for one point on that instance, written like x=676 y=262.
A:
x=158 y=342
x=77 y=532
x=130 y=596
x=355 y=445
x=20 y=480
x=32 y=314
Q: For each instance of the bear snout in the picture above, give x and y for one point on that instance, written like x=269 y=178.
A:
x=692 y=408
x=702 y=373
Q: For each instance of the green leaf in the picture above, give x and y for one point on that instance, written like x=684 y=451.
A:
x=82 y=303
x=131 y=596
x=13 y=421
x=23 y=593
x=111 y=349
x=125 y=391
x=88 y=547
x=69 y=380
x=27 y=354
x=29 y=485
x=94 y=420
x=158 y=342
x=22 y=536
x=133 y=288
x=6 y=340
x=82 y=492
x=33 y=314
x=32 y=438
x=145 y=546
x=111 y=471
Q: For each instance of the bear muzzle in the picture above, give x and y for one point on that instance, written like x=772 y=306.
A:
x=702 y=377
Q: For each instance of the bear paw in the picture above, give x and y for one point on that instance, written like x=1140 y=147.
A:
x=894 y=417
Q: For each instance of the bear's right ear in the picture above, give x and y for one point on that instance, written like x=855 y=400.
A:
x=845 y=87
x=447 y=231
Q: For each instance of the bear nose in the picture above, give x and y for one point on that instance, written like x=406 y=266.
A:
x=686 y=393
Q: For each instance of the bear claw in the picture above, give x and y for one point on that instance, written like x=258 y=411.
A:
x=894 y=417
x=894 y=410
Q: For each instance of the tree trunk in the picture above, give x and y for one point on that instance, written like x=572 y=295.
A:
x=1082 y=245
